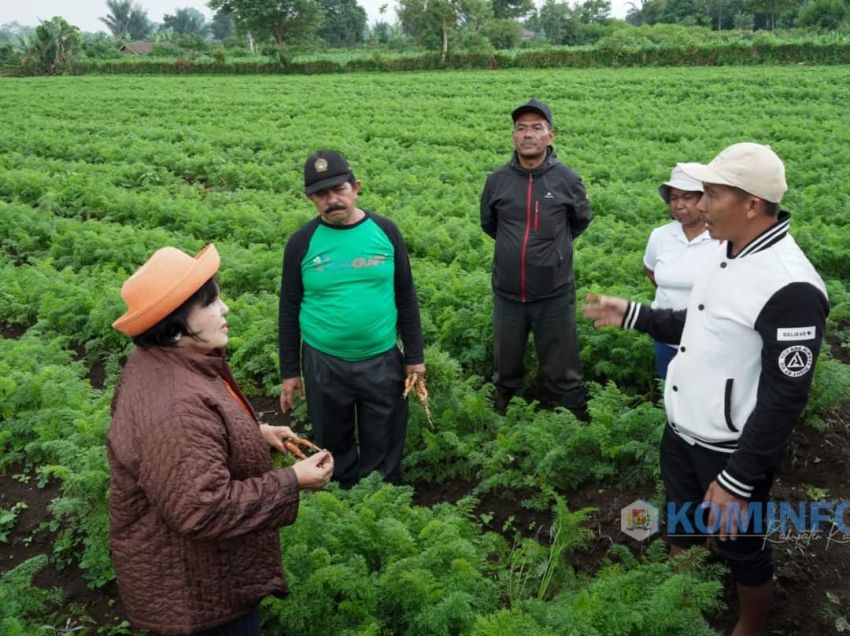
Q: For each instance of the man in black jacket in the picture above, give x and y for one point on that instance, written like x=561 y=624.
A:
x=535 y=206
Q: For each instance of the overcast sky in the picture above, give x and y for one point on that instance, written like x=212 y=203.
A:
x=85 y=13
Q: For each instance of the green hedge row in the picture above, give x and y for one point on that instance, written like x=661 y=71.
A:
x=732 y=54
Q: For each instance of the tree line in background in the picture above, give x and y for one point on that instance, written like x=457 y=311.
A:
x=275 y=27
x=821 y=15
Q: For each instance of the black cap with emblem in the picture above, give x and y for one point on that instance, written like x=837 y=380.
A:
x=325 y=169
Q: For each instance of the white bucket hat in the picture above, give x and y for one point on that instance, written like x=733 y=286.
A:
x=753 y=168
x=680 y=181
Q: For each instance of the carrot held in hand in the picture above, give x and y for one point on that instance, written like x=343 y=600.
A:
x=416 y=382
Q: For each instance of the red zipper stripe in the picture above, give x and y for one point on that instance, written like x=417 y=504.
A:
x=239 y=399
x=522 y=294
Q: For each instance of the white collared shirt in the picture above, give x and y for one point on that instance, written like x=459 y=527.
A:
x=676 y=263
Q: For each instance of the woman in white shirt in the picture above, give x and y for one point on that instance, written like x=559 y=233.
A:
x=676 y=252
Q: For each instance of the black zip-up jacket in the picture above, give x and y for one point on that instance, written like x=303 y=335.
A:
x=534 y=216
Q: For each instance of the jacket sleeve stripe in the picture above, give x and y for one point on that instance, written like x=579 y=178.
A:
x=632 y=315
x=734 y=486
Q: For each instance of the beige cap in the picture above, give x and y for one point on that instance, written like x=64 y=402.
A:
x=753 y=168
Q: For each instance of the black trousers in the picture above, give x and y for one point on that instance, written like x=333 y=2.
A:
x=248 y=625
x=687 y=472
x=553 y=323
x=357 y=412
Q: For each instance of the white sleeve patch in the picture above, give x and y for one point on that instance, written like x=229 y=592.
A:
x=796 y=361
x=784 y=334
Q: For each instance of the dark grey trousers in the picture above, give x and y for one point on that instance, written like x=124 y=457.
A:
x=248 y=625
x=553 y=323
x=357 y=412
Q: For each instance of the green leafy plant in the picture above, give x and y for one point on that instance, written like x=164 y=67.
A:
x=8 y=517
x=23 y=607
x=541 y=572
x=367 y=561
x=543 y=450
x=838 y=609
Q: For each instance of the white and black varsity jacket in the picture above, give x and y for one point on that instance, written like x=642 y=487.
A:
x=749 y=340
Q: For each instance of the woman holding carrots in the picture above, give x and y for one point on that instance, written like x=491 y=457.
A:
x=195 y=504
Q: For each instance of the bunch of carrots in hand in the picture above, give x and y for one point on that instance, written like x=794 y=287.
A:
x=416 y=382
x=292 y=445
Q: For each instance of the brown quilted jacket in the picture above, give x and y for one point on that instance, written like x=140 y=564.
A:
x=195 y=505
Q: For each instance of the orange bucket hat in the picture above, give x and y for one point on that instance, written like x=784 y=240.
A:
x=162 y=284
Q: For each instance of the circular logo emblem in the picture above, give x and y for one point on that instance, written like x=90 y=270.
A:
x=321 y=164
x=795 y=361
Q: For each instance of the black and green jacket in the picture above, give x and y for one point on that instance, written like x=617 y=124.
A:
x=348 y=292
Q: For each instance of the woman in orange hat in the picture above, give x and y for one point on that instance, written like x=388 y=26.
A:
x=195 y=504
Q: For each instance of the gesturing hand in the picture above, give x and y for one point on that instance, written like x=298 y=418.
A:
x=605 y=311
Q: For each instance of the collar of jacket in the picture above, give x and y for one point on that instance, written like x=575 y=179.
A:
x=211 y=366
x=770 y=236
x=550 y=160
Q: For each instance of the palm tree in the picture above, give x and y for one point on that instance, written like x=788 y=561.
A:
x=139 y=27
x=187 y=22
x=127 y=20
x=118 y=20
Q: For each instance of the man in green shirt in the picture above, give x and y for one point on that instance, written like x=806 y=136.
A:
x=347 y=294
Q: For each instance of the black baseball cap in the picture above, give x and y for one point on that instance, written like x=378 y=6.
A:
x=533 y=106
x=325 y=169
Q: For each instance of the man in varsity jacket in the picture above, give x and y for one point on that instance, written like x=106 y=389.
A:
x=347 y=293
x=749 y=340
x=534 y=207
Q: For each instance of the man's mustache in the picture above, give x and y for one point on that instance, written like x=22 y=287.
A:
x=334 y=208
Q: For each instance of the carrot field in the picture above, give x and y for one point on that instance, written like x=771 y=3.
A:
x=506 y=525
